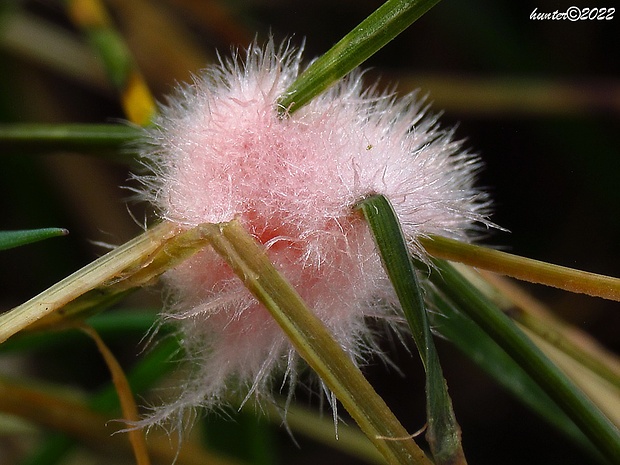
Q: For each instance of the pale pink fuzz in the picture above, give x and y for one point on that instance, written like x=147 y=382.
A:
x=220 y=151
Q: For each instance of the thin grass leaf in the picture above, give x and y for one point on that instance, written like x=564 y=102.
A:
x=84 y=138
x=12 y=239
x=128 y=324
x=157 y=362
x=147 y=371
x=523 y=268
x=110 y=268
x=81 y=423
x=537 y=318
x=314 y=343
x=605 y=396
x=92 y=17
x=603 y=434
x=50 y=46
x=383 y=25
x=134 y=264
x=443 y=432
x=125 y=396
x=478 y=346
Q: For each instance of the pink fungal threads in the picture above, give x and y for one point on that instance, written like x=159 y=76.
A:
x=220 y=151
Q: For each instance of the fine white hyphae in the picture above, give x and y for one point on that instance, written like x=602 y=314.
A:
x=220 y=150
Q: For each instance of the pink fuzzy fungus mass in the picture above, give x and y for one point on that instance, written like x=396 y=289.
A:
x=221 y=151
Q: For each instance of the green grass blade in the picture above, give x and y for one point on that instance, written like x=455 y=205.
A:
x=389 y=20
x=478 y=346
x=134 y=264
x=12 y=239
x=314 y=343
x=526 y=269
x=89 y=138
x=443 y=432
x=97 y=25
x=596 y=426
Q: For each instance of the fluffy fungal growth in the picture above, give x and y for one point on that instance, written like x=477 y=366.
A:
x=221 y=151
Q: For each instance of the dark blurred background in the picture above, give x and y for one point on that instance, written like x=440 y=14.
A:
x=538 y=100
